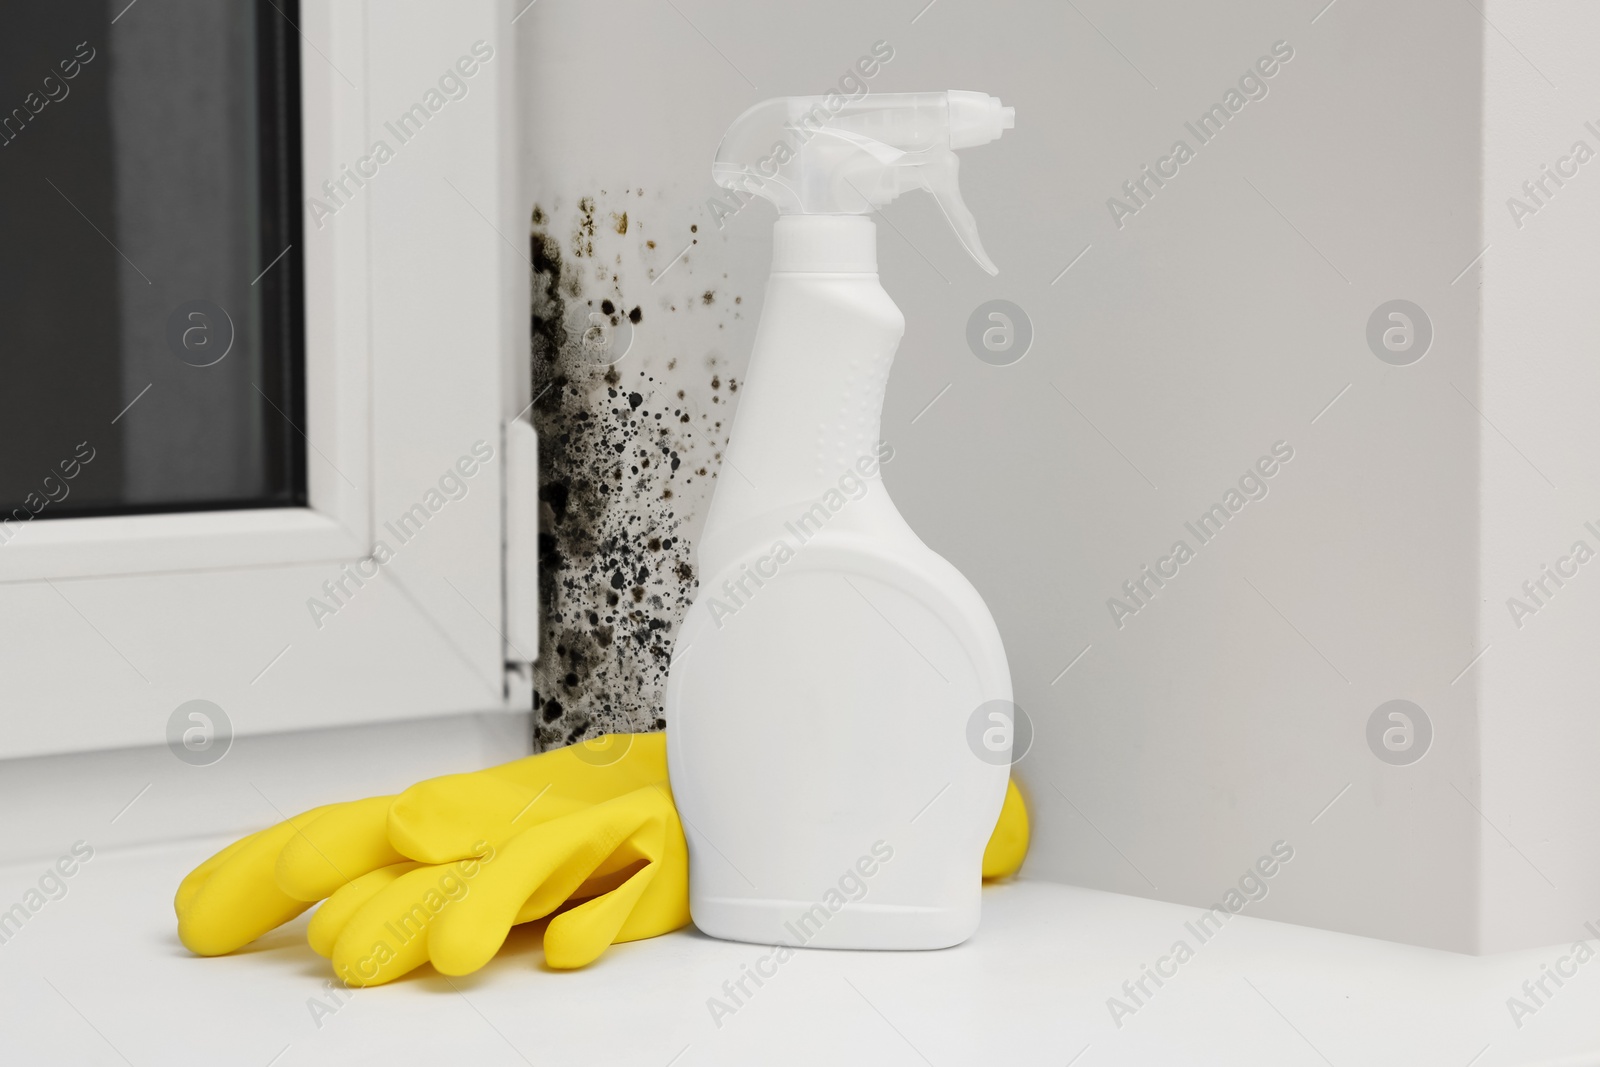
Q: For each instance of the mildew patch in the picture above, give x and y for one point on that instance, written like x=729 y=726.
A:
x=628 y=454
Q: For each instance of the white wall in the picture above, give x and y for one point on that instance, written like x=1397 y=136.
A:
x=1222 y=318
x=1540 y=480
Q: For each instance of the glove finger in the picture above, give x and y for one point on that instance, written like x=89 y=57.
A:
x=1007 y=846
x=350 y=840
x=240 y=900
x=603 y=881
x=576 y=938
x=652 y=902
x=192 y=882
x=322 y=933
x=664 y=906
x=534 y=873
x=447 y=819
x=388 y=935
x=610 y=875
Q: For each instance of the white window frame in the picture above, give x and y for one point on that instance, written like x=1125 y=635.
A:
x=416 y=348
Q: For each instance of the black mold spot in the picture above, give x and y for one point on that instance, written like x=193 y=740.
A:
x=614 y=570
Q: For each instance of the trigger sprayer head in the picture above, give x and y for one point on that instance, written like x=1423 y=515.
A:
x=831 y=155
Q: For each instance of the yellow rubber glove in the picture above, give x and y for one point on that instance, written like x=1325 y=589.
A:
x=268 y=878
x=355 y=850
x=616 y=871
x=1009 y=842
x=624 y=859
x=235 y=896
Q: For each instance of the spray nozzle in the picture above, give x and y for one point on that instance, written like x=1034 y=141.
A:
x=831 y=155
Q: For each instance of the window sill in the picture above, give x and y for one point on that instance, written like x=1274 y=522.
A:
x=1032 y=987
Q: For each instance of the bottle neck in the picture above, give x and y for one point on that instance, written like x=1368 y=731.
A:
x=810 y=406
x=825 y=244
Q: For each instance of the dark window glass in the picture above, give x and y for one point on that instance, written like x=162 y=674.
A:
x=151 y=352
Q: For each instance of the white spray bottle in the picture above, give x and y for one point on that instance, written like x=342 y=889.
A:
x=827 y=679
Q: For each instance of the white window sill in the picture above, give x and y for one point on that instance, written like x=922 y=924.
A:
x=99 y=975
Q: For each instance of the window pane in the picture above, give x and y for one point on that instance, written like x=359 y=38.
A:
x=150 y=286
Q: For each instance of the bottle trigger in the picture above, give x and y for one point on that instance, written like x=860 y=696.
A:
x=942 y=178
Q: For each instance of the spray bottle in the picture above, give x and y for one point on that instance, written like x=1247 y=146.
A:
x=827 y=678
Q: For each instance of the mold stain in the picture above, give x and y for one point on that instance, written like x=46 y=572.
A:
x=622 y=455
x=583 y=229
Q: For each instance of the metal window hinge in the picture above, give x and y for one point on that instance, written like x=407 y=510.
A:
x=521 y=560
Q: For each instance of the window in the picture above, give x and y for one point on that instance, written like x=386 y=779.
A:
x=152 y=302
x=223 y=397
